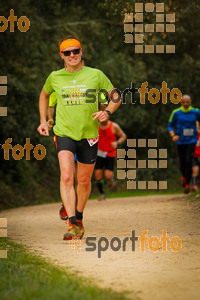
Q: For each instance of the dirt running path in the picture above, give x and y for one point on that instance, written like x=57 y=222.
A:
x=148 y=275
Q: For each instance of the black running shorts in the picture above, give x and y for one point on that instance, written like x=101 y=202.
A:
x=85 y=153
x=107 y=162
x=195 y=161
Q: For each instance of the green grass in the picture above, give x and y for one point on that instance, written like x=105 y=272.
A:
x=194 y=197
x=28 y=277
x=126 y=193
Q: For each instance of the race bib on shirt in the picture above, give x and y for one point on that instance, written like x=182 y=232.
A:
x=93 y=141
x=188 y=132
x=101 y=153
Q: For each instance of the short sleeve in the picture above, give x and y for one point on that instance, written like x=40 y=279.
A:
x=105 y=86
x=48 y=85
x=53 y=99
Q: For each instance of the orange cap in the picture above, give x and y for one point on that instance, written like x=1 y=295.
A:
x=69 y=43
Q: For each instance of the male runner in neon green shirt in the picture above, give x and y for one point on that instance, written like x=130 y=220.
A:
x=77 y=122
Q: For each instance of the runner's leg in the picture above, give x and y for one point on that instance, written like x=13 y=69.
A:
x=188 y=163
x=75 y=177
x=98 y=174
x=182 y=157
x=108 y=174
x=109 y=167
x=195 y=171
x=100 y=162
x=66 y=161
x=99 y=181
x=84 y=174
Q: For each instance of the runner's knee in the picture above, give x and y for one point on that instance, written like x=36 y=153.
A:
x=67 y=179
x=84 y=182
x=98 y=175
x=108 y=174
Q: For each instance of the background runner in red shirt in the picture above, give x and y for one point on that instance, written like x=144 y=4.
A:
x=107 y=145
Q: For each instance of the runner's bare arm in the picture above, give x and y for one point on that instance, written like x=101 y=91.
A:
x=120 y=134
x=112 y=106
x=50 y=114
x=43 y=107
x=174 y=137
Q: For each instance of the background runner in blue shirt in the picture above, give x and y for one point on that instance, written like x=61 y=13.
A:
x=185 y=136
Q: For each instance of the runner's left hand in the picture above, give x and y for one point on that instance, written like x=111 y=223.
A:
x=114 y=145
x=50 y=124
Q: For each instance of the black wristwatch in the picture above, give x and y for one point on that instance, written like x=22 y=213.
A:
x=108 y=112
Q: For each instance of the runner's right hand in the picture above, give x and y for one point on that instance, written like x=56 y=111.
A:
x=175 y=138
x=102 y=116
x=43 y=129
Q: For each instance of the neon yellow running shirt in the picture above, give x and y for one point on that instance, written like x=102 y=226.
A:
x=74 y=108
x=53 y=99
